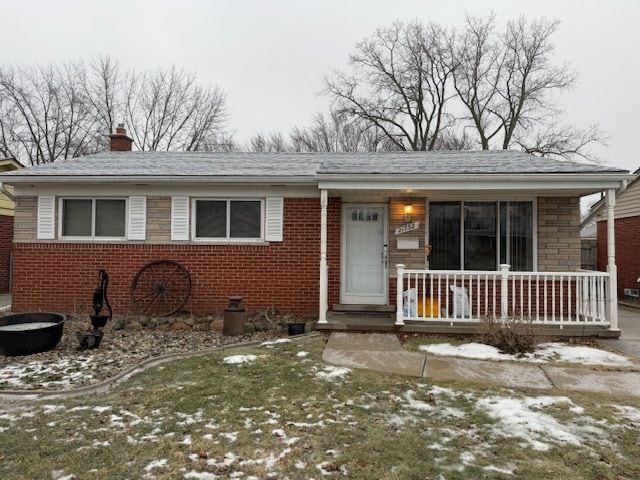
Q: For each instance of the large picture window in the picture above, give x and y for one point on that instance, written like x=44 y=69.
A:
x=93 y=217
x=228 y=219
x=481 y=235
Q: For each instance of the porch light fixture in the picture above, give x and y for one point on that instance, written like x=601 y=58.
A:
x=408 y=212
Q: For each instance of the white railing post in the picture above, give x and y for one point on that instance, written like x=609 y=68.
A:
x=324 y=277
x=612 y=269
x=504 y=291
x=399 y=296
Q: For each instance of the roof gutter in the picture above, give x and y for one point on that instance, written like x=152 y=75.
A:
x=154 y=179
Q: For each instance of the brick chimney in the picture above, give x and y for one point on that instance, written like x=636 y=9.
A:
x=120 y=142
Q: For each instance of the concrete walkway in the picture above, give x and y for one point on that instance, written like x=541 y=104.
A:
x=629 y=341
x=384 y=353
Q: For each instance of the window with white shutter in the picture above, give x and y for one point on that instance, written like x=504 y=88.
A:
x=179 y=218
x=274 y=211
x=137 y=218
x=46 y=217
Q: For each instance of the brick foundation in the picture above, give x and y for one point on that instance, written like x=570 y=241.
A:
x=61 y=276
x=6 y=245
x=627 y=248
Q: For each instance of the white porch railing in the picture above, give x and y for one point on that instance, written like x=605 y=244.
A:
x=545 y=298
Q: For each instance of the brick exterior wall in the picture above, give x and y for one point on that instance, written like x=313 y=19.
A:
x=6 y=245
x=559 y=234
x=59 y=276
x=627 y=248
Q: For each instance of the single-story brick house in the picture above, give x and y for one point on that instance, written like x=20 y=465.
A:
x=439 y=238
x=627 y=243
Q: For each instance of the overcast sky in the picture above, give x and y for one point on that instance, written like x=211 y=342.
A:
x=271 y=56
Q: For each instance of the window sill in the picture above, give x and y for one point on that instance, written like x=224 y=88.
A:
x=229 y=242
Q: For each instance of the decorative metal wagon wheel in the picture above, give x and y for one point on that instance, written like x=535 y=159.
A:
x=161 y=288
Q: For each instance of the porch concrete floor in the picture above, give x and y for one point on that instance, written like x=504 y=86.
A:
x=384 y=353
x=384 y=322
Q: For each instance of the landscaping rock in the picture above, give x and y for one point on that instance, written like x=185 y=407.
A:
x=180 y=326
x=120 y=349
x=189 y=321
x=118 y=324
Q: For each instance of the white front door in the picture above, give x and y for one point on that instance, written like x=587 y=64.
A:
x=364 y=263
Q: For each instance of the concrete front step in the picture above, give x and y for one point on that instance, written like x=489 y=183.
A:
x=341 y=307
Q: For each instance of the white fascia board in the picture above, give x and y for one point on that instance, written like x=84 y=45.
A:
x=479 y=182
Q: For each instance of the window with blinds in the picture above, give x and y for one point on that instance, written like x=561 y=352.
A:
x=93 y=218
x=228 y=219
x=481 y=235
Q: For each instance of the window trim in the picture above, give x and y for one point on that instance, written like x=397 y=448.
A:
x=497 y=201
x=228 y=239
x=93 y=236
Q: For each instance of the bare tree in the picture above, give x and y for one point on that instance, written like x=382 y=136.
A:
x=167 y=110
x=335 y=132
x=54 y=112
x=400 y=83
x=507 y=85
x=47 y=112
x=273 y=142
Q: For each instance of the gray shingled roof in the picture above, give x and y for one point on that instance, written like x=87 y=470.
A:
x=306 y=165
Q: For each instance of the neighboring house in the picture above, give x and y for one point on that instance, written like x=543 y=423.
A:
x=320 y=233
x=6 y=225
x=589 y=245
x=627 y=244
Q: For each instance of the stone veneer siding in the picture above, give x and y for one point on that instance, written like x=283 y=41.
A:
x=60 y=276
x=409 y=258
x=559 y=234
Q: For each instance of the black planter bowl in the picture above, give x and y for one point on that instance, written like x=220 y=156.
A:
x=18 y=338
x=295 y=329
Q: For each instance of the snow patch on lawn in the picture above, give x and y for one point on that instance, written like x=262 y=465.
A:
x=302 y=354
x=156 y=464
x=546 y=352
x=332 y=373
x=279 y=341
x=200 y=475
x=236 y=359
x=64 y=371
x=523 y=418
x=630 y=413
x=508 y=470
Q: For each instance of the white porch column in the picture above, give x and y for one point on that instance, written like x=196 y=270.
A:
x=399 y=296
x=504 y=291
x=324 y=277
x=612 y=270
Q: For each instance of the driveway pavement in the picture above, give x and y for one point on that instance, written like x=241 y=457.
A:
x=629 y=341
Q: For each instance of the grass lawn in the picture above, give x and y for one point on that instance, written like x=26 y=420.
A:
x=285 y=414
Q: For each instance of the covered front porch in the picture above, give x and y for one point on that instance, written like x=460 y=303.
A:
x=427 y=255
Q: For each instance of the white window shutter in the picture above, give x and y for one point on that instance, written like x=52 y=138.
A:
x=137 y=218
x=179 y=218
x=274 y=222
x=46 y=217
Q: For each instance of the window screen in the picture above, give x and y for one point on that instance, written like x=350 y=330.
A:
x=110 y=218
x=244 y=219
x=76 y=217
x=211 y=218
